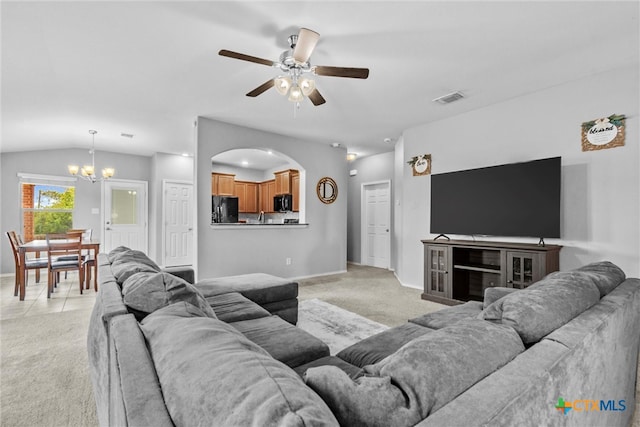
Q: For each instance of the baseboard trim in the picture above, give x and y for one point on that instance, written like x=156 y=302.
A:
x=311 y=276
x=407 y=285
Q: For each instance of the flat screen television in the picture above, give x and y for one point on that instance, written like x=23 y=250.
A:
x=517 y=200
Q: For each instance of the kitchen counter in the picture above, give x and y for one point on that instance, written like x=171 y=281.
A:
x=254 y=226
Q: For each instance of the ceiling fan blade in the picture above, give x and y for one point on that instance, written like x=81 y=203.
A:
x=316 y=98
x=354 y=73
x=243 y=57
x=307 y=40
x=263 y=87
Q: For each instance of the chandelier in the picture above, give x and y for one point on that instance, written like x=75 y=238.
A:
x=88 y=172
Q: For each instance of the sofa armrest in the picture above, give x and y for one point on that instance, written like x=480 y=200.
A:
x=185 y=273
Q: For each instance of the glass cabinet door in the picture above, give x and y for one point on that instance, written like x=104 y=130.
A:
x=438 y=271
x=522 y=269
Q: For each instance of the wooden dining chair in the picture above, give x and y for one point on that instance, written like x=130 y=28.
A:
x=29 y=264
x=87 y=258
x=64 y=253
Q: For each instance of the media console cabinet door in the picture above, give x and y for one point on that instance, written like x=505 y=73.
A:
x=524 y=268
x=437 y=274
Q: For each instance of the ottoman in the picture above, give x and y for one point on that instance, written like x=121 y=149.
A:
x=277 y=295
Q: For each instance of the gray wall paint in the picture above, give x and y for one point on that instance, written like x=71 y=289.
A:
x=54 y=162
x=317 y=249
x=375 y=168
x=601 y=189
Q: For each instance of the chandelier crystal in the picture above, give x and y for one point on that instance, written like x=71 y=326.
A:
x=88 y=172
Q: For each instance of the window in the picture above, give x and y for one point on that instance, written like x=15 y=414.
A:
x=46 y=208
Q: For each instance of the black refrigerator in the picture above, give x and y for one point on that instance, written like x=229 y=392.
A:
x=224 y=209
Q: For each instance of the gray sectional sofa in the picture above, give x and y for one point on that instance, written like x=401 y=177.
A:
x=164 y=351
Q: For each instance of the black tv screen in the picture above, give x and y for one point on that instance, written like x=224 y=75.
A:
x=518 y=199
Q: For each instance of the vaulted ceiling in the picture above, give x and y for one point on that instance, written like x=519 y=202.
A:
x=150 y=68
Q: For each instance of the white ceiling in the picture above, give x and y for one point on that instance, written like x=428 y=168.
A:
x=150 y=68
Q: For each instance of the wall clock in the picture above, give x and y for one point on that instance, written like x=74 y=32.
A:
x=327 y=190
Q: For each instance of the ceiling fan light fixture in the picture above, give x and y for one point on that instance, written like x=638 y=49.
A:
x=282 y=84
x=307 y=86
x=295 y=94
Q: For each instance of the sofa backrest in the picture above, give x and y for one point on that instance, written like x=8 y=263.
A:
x=592 y=357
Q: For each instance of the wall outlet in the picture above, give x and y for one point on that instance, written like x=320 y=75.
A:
x=287 y=261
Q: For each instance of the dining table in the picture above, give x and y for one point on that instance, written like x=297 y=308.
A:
x=38 y=246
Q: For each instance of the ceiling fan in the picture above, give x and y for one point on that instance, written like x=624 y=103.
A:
x=295 y=64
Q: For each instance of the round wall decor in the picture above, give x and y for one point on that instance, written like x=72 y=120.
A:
x=327 y=190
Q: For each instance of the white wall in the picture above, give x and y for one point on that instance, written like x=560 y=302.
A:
x=600 y=216
x=319 y=248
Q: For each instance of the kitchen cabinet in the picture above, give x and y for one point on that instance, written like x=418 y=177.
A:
x=295 y=191
x=247 y=193
x=222 y=184
x=283 y=184
x=266 y=192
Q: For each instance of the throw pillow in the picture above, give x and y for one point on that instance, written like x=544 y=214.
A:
x=130 y=262
x=492 y=295
x=114 y=253
x=606 y=275
x=147 y=292
x=543 y=307
x=449 y=315
x=211 y=375
x=418 y=379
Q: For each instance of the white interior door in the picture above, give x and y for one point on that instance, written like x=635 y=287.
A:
x=125 y=215
x=178 y=224
x=376 y=211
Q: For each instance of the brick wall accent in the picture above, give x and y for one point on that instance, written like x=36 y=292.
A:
x=28 y=191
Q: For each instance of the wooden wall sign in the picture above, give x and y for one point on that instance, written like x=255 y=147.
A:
x=607 y=132
x=420 y=165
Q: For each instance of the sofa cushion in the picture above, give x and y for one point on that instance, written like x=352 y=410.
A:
x=130 y=262
x=376 y=347
x=606 y=275
x=493 y=294
x=212 y=375
x=282 y=340
x=546 y=305
x=147 y=292
x=449 y=315
x=233 y=307
x=420 y=377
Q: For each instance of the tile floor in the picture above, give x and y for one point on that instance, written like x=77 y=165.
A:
x=65 y=297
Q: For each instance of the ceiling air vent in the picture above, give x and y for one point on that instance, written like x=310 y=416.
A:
x=126 y=135
x=449 y=98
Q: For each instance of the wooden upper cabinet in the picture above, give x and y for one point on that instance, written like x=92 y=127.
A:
x=283 y=181
x=295 y=191
x=266 y=192
x=247 y=193
x=222 y=184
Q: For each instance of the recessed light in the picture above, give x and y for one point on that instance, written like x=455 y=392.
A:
x=245 y=163
x=185 y=154
x=335 y=144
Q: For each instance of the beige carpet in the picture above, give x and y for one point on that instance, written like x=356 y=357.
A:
x=44 y=371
